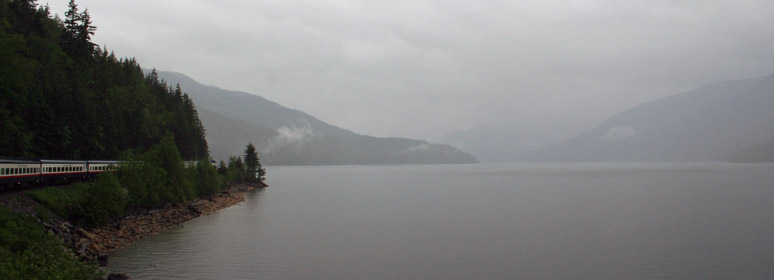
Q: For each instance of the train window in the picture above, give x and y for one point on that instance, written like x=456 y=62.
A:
x=2 y=171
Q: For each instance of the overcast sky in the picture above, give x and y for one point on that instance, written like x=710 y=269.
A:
x=422 y=68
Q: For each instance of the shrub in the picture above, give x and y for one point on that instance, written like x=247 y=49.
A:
x=27 y=251
x=144 y=182
x=101 y=201
x=59 y=201
x=208 y=181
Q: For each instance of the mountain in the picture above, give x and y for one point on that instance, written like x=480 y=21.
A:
x=758 y=153
x=285 y=136
x=717 y=122
x=514 y=141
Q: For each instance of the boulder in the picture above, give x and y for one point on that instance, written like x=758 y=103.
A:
x=118 y=276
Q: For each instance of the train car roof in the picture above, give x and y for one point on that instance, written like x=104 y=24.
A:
x=18 y=160
x=103 y=161
x=55 y=161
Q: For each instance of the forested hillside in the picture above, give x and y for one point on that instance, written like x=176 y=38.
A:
x=62 y=96
x=285 y=136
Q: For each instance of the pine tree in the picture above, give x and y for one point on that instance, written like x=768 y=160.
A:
x=251 y=162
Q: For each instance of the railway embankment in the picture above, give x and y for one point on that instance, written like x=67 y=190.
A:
x=95 y=243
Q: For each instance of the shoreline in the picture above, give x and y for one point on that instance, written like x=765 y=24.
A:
x=135 y=226
x=94 y=244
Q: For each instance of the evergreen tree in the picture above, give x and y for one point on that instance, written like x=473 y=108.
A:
x=251 y=162
x=63 y=97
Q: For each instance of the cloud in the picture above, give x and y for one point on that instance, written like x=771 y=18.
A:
x=422 y=67
x=618 y=133
x=290 y=136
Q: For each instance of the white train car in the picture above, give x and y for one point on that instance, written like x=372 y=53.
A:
x=63 y=169
x=101 y=166
x=15 y=172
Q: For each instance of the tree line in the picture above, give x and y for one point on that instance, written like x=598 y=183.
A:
x=65 y=97
x=62 y=96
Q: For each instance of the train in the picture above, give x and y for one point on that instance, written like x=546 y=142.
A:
x=19 y=173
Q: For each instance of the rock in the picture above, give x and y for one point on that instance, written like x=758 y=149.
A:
x=118 y=276
x=102 y=260
x=82 y=248
x=84 y=234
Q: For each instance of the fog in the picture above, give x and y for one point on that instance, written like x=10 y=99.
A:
x=424 y=69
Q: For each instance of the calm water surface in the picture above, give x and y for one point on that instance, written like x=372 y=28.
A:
x=525 y=221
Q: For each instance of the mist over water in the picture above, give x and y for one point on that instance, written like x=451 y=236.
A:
x=518 y=221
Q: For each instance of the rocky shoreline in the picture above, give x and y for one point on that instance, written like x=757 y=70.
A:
x=93 y=244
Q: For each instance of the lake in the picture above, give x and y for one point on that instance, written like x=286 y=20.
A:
x=484 y=221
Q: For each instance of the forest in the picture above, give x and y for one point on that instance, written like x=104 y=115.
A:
x=65 y=97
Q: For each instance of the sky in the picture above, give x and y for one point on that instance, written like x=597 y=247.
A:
x=425 y=68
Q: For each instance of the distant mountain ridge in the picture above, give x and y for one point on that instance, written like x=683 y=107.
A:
x=285 y=136
x=711 y=123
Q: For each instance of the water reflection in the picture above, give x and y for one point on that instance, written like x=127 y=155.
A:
x=566 y=221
